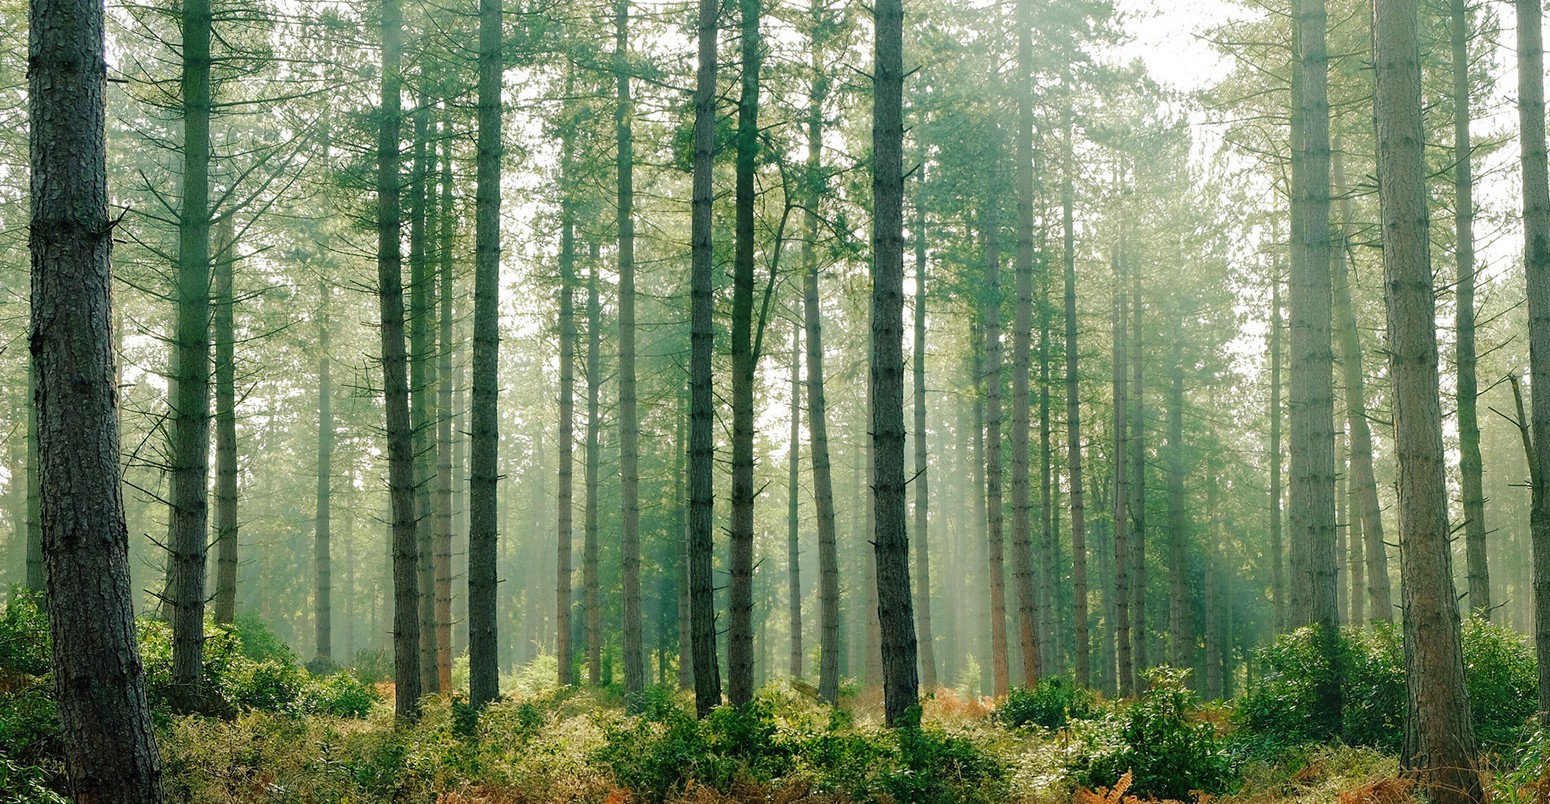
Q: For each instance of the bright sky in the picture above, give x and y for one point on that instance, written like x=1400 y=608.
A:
x=1164 y=35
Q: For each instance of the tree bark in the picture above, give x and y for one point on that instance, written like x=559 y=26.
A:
x=225 y=337
x=35 y=575
x=1314 y=574
x=922 y=487
x=1022 y=526
x=1181 y=631
x=191 y=410
x=817 y=406
x=589 y=561
x=1122 y=625
x=1137 y=438
x=1536 y=232
x=740 y=535
x=1277 y=555
x=702 y=341
x=901 y=685
x=99 y=680
x=323 y=610
x=442 y=536
x=1439 y=741
x=421 y=364
x=793 y=513
x=567 y=414
x=629 y=425
x=395 y=387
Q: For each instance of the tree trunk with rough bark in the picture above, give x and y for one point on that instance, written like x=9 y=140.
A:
x=1536 y=232
x=1439 y=741
x=99 y=679
x=1122 y=625
x=567 y=414
x=1074 y=429
x=629 y=425
x=323 y=573
x=223 y=325
x=922 y=487
x=793 y=512
x=422 y=305
x=442 y=531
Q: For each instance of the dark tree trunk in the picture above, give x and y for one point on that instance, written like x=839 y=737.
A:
x=793 y=512
x=681 y=521
x=567 y=415
x=191 y=410
x=323 y=610
x=1536 y=232
x=1439 y=742
x=1022 y=526
x=1122 y=627
x=1471 y=468
x=35 y=575
x=629 y=426
x=702 y=341
x=442 y=536
x=225 y=423
x=1312 y=509
x=421 y=363
x=901 y=685
x=1074 y=431
x=922 y=488
x=740 y=535
x=992 y=448
x=99 y=680
x=1047 y=573
x=395 y=386
x=817 y=407
x=589 y=561
x=1365 y=484
x=1181 y=631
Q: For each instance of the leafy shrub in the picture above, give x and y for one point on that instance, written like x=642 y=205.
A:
x=24 y=636
x=1169 y=755
x=1052 y=703
x=256 y=641
x=1499 y=671
x=938 y=767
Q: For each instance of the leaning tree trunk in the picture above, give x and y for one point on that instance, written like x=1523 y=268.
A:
x=1536 y=232
x=901 y=685
x=702 y=342
x=996 y=538
x=99 y=680
x=191 y=410
x=1471 y=467
x=223 y=323
x=1312 y=510
x=323 y=610
x=1074 y=431
x=1122 y=627
x=629 y=426
x=922 y=489
x=740 y=649
x=1365 y=485
x=1439 y=742
x=817 y=407
x=395 y=385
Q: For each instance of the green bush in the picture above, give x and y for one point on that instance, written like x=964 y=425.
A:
x=24 y=636
x=1168 y=755
x=938 y=767
x=1499 y=671
x=1052 y=703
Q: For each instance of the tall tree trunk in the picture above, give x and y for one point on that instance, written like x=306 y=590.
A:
x=922 y=489
x=460 y=505
x=793 y=512
x=992 y=446
x=109 y=744
x=1022 y=534
x=1471 y=468
x=1312 y=434
x=1123 y=632
x=225 y=334
x=1358 y=558
x=901 y=685
x=395 y=384
x=680 y=505
x=589 y=560
x=1536 y=233
x=442 y=536
x=191 y=410
x=817 y=406
x=323 y=610
x=421 y=364
x=1213 y=600
x=1046 y=573
x=1365 y=488
x=567 y=423
x=740 y=535
x=1137 y=438
x=990 y=620
x=629 y=426
x=702 y=342
x=1181 y=631
x=1277 y=557
x=1439 y=742
x=35 y=574
x=1074 y=428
